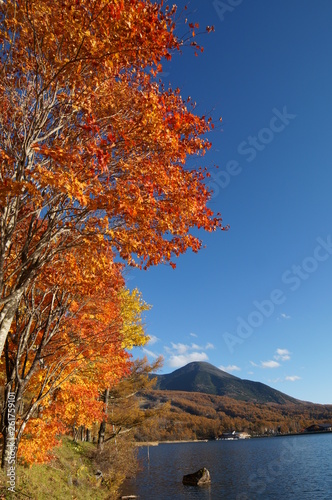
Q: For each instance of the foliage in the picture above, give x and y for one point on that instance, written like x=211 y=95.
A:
x=126 y=410
x=93 y=152
x=71 y=474
x=203 y=416
x=91 y=144
x=117 y=461
x=58 y=369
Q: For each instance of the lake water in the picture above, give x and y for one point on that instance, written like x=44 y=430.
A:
x=292 y=467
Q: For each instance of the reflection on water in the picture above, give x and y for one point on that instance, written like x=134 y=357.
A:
x=294 y=467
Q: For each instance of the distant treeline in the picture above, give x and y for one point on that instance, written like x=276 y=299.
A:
x=204 y=416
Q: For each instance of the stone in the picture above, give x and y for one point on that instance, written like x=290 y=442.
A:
x=99 y=474
x=99 y=477
x=199 y=478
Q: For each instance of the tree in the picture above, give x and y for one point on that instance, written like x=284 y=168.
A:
x=125 y=411
x=91 y=145
x=69 y=341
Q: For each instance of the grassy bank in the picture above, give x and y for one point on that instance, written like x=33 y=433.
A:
x=72 y=473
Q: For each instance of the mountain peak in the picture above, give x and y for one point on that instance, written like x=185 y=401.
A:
x=202 y=366
x=200 y=376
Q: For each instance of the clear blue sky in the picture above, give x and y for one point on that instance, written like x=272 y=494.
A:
x=258 y=299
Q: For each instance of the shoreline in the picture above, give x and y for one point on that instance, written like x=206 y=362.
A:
x=179 y=441
x=156 y=443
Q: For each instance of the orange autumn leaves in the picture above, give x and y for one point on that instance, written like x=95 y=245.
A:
x=104 y=138
x=69 y=342
x=93 y=153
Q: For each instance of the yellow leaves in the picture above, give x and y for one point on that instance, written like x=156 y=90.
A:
x=105 y=174
x=132 y=308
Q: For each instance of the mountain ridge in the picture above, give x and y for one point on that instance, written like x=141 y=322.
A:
x=203 y=377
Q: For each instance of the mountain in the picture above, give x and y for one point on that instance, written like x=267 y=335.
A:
x=199 y=401
x=208 y=379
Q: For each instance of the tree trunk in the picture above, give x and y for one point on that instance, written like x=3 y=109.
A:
x=101 y=434
x=8 y=430
x=6 y=318
x=8 y=457
x=75 y=434
x=88 y=435
x=102 y=428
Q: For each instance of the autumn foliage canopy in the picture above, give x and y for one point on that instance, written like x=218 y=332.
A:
x=93 y=154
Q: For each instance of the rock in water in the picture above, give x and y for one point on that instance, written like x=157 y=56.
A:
x=202 y=476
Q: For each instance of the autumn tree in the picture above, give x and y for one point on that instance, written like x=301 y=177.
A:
x=125 y=404
x=91 y=145
x=93 y=154
x=69 y=341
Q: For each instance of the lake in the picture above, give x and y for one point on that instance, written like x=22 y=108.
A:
x=288 y=467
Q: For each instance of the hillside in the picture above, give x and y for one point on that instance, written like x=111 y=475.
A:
x=194 y=415
x=204 y=401
x=71 y=473
x=207 y=379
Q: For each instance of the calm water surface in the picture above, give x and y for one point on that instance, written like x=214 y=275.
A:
x=294 y=467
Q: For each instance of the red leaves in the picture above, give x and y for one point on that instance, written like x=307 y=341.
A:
x=101 y=169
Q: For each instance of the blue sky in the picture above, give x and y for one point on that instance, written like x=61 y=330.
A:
x=257 y=300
